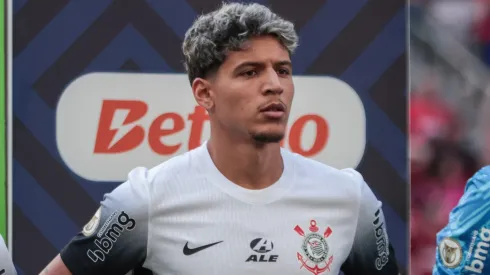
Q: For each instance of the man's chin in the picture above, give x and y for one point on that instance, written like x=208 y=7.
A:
x=267 y=137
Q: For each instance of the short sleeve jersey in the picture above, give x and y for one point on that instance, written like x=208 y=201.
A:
x=185 y=217
x=464 y=243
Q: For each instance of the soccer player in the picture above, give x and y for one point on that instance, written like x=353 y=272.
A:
x=238 y=204
x=463 y=245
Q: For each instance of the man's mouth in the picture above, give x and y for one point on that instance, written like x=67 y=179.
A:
x=274 y=110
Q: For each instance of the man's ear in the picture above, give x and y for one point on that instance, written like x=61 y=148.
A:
x=201 y=88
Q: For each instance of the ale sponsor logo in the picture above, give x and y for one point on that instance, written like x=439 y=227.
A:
x=263 y=251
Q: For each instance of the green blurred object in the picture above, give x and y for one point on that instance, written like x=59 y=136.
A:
x=3 y=163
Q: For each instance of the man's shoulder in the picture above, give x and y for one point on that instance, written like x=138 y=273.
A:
x=310 y=168
x=480 y=181
x=175 y=168
x=472 y=211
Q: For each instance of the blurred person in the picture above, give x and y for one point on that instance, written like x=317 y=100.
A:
x=436 y=188
x=433 y=197
x=430 y=115
x=464 y=243
x=431 y=119
x=458 y=17
x=238 y=204
x=445 y=149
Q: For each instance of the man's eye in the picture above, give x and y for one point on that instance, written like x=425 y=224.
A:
x=249 y=73
x=284 y=71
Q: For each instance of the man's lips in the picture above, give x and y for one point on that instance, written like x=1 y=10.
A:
x=274 y=110
x=274 y=107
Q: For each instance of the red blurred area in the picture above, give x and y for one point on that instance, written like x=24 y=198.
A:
x=440 y=167
x=449 y=113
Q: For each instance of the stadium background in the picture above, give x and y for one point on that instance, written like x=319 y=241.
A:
x=449 y=111
x=361 y=42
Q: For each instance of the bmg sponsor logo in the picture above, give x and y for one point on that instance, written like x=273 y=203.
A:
x=107 y=240
x=381 y=241
x=480 y=254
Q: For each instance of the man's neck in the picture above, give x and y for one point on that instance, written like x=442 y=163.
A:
x=246 y=163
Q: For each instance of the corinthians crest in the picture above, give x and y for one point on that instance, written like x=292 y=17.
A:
x=315 y=249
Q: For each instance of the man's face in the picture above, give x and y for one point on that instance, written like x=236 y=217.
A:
x=253 y=89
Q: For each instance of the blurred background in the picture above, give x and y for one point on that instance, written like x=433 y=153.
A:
x=449 y=136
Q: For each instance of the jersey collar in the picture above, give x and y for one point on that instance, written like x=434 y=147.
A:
x=262 y=196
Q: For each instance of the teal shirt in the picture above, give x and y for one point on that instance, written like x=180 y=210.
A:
x=463 y=246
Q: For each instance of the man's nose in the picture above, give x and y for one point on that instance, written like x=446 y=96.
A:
x=272 y=83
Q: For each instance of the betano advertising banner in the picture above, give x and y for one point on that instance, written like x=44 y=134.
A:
x=99 y=88
x=119 y=121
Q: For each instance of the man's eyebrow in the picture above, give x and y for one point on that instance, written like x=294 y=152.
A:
x=260 y=64
x=285 y=62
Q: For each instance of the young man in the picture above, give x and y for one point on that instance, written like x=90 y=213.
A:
x=238 y=204
x=464 y=244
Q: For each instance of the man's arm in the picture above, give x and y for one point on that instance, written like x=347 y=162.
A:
x=115 y=240
x=464 y=243
x=371 y=251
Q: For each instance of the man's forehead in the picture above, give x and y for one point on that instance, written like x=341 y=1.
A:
x=254 y=54
x=257 y=43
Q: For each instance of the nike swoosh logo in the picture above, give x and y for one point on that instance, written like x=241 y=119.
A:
x=189 y=251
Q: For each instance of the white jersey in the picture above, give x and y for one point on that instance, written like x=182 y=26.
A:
x=184 y=217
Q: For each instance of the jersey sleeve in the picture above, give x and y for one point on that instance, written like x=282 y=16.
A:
x=114 y=241
x=463 y=245
x=371 y=251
